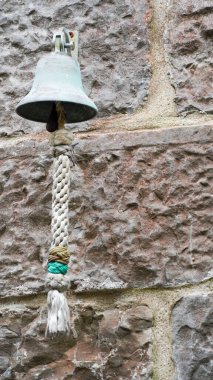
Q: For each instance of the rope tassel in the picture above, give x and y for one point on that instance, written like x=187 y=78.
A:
x=58 y=320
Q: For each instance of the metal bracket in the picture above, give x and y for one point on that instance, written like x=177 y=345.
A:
x=66 y=42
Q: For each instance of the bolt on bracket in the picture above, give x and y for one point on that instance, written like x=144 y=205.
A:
x=66 y=42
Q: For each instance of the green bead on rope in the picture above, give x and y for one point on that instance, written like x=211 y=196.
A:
x=57 y=268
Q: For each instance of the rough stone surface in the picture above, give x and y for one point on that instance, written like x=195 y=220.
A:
x=114 y=52
x=189 y=35
x=141 y=214
x=102 y=345
x=140 y=211
x=25 y=197
x=193 y=338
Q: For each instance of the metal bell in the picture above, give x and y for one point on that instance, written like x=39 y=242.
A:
x=57 y=79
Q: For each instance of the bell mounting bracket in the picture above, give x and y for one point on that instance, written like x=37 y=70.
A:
x=66 y=42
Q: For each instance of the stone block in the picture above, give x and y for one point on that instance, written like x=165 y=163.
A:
x=193 y=337
x=25 y=217
x=144 y=216
x=101 y=345
x=114 y=52
x=140 y=211
x=188 y=44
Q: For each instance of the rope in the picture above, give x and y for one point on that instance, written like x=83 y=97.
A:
x=57 y=268
x=61 y=137
x=61 y=115
x=56 y=279
x=60 y=197
x=59 y=254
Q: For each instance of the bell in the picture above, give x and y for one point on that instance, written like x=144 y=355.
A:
x=57 y=80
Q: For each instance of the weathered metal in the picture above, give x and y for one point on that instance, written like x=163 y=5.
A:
x=58 y=79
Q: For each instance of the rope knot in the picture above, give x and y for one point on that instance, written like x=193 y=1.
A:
x=58 y=260
x=59 y=254
x=61 y=137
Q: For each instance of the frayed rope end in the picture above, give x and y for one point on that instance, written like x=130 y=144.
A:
x=58 y=320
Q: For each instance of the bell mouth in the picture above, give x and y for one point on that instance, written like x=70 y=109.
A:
x=40 y=111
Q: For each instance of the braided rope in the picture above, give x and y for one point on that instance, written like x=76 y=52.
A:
x=59 y=254
x=60 y=197
x=56 y=279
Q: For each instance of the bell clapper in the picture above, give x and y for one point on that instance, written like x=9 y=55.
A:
x=61 y=115
x=57 y=118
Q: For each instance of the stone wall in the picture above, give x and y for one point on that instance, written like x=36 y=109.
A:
x=141 y=298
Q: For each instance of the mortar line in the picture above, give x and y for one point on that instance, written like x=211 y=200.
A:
x=129 y=148
x=109 y=131
x=107 y=294
x=161 y=93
